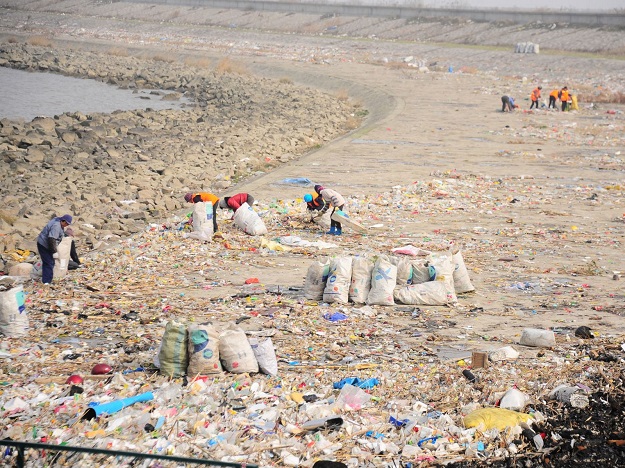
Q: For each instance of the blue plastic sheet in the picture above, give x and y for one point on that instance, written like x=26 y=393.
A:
x=335 y=317
x=356 y=382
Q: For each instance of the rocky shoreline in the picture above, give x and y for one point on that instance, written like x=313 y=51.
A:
x=116 y=172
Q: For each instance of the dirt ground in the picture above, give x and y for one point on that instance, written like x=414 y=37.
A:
x=534 y=198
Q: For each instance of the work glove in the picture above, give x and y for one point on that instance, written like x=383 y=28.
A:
x=55 y=255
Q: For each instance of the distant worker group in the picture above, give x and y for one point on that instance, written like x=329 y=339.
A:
x=568 y=101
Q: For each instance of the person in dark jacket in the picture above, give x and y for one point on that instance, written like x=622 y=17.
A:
x=47 y=242
x=235 y=201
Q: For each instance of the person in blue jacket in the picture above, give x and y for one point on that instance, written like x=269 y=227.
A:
x=507 y=104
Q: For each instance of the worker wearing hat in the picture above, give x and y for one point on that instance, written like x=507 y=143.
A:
x=47 y=242
x=334 y=199
x=206 y=198
x=535 y=97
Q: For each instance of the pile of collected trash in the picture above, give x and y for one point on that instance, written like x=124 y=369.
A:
x=434 y=279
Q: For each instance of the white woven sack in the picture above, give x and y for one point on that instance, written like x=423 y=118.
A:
x=383 y=281
x=404 y=272
x=203 y=350
x=62 y=263
x=339 y=279
x=420 y=271
x=431 y=293
x=249 y=221
x=13 y=315
x=265 y=355
x=441 y=261
x=361 y=279
x=462 y=282
x=202 y=221
x=316 y=278
x=235 y=351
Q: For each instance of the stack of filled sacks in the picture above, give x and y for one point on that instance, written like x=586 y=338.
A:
x=200 y=349
x=433 y=279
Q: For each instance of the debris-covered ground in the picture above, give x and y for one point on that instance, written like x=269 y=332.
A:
x=534 y=201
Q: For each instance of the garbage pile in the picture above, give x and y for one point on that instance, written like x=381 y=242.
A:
x=355 y=382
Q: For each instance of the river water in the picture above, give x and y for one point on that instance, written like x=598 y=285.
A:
x=27 y=95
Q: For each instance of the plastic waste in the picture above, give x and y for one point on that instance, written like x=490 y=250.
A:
x=469 y=375
x=96 y=409
x=352 y=398
x=356 y=382
x=335 y=316
x=332 y=422
x=573 y=395
x=498 y=418
x=538 y=338
x=513 y=399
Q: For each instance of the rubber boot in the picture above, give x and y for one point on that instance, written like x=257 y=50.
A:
x=332 y=231
x=338 y=232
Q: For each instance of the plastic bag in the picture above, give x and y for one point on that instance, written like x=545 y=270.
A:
x=203 y=348
x=249 y=221
x=13 y=315
x=316 y=278
x=361 y=279
x=61 y=264
x=462 y=282
x=383 y=280
x=498 y=418
x=235 y=351
x=339 y=280
x=265 y=354
x=172 y=355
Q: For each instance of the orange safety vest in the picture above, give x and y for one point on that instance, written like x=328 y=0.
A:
x=206 y=197
x=554 y=93
x=564 y=97
x=535 y=95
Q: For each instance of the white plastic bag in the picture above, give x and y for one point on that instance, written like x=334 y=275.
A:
x=265 y=355
x=13 y=315
x=462 y=282
x=444 y=269
x=235 y=351
x=339 y=279
x=61 y=264
x=361 y=279
x=249 y=221
x=316 y=278
x=431 y=293
x=383 y=281
x=202 y=221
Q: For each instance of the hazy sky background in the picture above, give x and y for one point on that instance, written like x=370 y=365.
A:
x=581 y=5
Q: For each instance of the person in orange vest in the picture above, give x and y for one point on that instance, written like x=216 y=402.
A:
x=314 y=202
x=564 y=98
x=206 y=198
x=553 y=97
x=535 y=96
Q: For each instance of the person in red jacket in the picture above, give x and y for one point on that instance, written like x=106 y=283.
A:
x=535 y=97
x=206 y=198
x=235 y=201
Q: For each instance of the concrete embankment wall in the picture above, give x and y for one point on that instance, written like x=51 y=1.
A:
x=396 y=10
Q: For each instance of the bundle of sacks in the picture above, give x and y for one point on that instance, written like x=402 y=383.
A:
x=433 y=279
x=201 y=349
